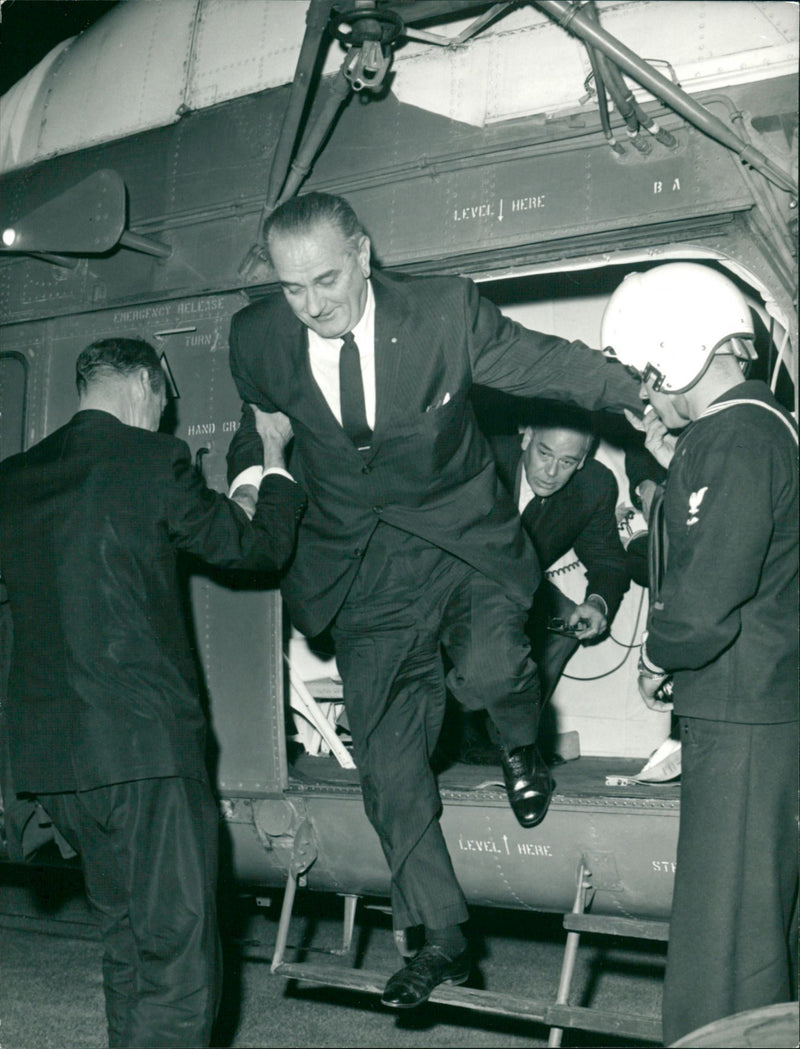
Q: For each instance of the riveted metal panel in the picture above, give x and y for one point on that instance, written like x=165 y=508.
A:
x=627 y=844
x=145 y=64
x=427 y=189
x=13 y=380
x=536 y=195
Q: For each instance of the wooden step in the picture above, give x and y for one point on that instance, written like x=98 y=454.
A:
x=637 y=1028
x=610 y=925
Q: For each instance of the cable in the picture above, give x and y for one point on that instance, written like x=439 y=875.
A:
x=613 y=670
x=602 y=100
x=564 y=568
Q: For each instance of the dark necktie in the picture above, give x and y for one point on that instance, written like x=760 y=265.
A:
x=351 y=392
x=532 y=513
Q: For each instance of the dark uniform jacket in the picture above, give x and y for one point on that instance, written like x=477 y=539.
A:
x=581 y=516
x=430 y=470
x=726 y=617
x=103 y=686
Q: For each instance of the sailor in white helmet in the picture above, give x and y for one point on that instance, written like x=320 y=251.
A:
x=724 y=625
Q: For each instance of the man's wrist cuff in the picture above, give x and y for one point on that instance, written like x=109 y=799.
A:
x=645 y=666
x=251 y=475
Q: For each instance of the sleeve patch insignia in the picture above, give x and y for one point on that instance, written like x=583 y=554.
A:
x=695 y=499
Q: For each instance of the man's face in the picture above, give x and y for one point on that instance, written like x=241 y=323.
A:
x=551 y=456
x=323 y=276
x=669 y=407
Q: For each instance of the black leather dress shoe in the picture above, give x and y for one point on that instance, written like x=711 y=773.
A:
x=412 y=985
x=528 y=784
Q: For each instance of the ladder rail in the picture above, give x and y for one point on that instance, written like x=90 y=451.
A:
x=558 y=1015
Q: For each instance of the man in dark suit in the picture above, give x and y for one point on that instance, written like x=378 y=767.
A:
x=103 y=714
x=567 y=500
x=409 y=542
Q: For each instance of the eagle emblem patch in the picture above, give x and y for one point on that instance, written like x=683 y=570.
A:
x=695 y=499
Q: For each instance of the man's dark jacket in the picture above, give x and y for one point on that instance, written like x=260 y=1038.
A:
x=581 y=516
x=430 y=470
x=103 y=685
x=725 y=621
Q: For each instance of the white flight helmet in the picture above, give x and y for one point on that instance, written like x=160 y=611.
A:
x=668 y=323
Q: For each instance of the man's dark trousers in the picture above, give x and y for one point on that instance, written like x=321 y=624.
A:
x=551 y=651
x=149 y=852
x=736 y=873
x=408 y=599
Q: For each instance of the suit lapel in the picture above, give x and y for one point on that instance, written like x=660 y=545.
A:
x=391 y=347
x=309 y=404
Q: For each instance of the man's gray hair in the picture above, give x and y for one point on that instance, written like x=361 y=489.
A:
x=555 y=415
x=109 y=358
x=305 y=213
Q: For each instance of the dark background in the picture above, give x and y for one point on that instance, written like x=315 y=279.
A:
x=31 y=28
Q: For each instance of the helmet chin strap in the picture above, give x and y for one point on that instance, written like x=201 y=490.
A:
x=653 y=373
x=735 y=349
x=743 y=349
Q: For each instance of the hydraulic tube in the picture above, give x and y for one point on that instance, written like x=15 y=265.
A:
x=340 y=91
x=316 y=25
x=618 y=87
x=571 y=18
x=602 y=101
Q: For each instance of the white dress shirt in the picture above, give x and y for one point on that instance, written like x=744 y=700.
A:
x=526 y=493
x=323 y=357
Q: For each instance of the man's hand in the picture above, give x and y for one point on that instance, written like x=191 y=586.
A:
x=589 y=621
x=659 y=442
x=246 y=495
x=275 y=431
x=647 y=491
x=649 y=687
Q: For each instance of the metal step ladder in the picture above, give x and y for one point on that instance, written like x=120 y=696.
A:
x=557 y=1015
x=577 y=922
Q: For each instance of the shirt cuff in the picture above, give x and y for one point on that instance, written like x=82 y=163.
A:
x=252 y=475
x=645 y=666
